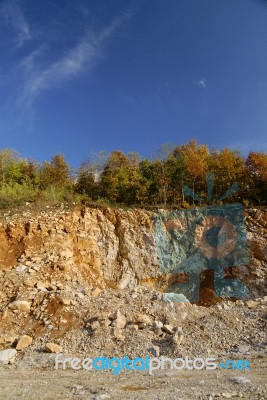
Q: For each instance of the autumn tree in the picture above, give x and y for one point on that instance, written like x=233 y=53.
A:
x=55 y=173
x=229 y=167
x=257 y=169
x=189 y=164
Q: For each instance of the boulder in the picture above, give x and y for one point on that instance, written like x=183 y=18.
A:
x=53 y=348
x=24 y=342
x=7 y=355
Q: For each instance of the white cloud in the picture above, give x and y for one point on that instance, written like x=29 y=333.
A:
x=202 y=83
x=77 y=60
x=13 y=16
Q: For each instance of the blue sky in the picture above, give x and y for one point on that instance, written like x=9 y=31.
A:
x=87 y=75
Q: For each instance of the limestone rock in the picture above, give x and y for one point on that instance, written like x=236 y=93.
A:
x=24 y=341
x=142 y=318
x=119 y=320
x=251 y=304
x=20 y=305
x=174 y=297
x=95 y=292
x=53 y=348
x=168 y=329
x=7 y=355
x=65 y=301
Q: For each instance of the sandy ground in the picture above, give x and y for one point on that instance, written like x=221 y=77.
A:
x=50 y=384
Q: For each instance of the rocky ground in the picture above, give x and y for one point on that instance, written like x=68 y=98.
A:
x=52 y=302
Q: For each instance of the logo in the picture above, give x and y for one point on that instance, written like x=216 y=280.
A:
x=211 y=238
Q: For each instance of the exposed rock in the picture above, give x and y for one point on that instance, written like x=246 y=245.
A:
x=119 y=320
x=168 y=329
x=7 y=355
x=158 y=324
x=174 y=298
x=118 y=334
x=53 y=348
x=226 y=395
x=72 y=255
x=155 y=351
x=251 y=304
x=177 y=336
x=95 y=325
x=142 y=318
x=239 y=379
x=20 y=305
x=96 y=292
x=24 y=341
x=65 y=301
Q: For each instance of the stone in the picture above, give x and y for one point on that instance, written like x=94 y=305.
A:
x=10 y=339
x=158 y=331
x=95 y=325
x=21 y=268
x=226 y=395
x=239 y=379
x=53 y=348
x=243 y=349
x=168 y=329
x=118 y=335
x=258 y=215
x=183 y=315
x=24 y=342
x=29 y=282
x=142 y=325
x=155 y=351
x=251 y=304
x=65 y=301
x=142 y=318
x=119 y=321
x=96 y=292
x=20 y=305
x=174 y=297
x=133 y=328
x=7 y=355
x=177 y=336
x=158 y=324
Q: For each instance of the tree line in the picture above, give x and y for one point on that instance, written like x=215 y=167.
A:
x=132 y=180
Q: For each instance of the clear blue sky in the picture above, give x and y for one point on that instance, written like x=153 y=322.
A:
x=90 y=75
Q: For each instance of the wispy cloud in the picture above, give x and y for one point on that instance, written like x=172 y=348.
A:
x=79 y=59
x=38 y=79
x=13 y=17
x=202 y=83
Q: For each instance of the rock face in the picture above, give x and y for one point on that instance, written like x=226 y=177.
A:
x=107 y=248
x=89 y=279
